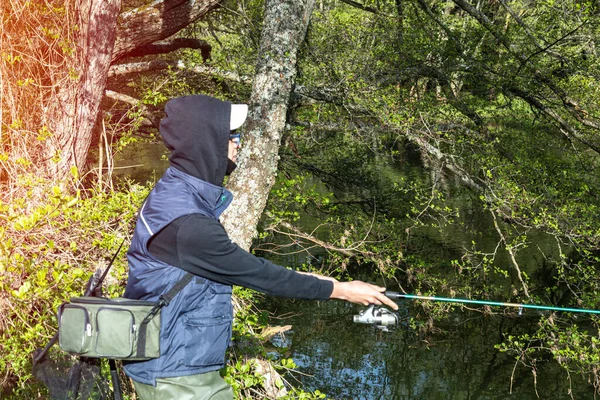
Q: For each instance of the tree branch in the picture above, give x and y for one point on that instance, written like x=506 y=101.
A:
x=361 y=6
x=158 y=65
x=139 y=67
x=157 y=21
x=299 y=234
x=511 y=252
x=149 y=116
x=168 y=46
x=570 y=106
x=565 y=127
x=418 y=138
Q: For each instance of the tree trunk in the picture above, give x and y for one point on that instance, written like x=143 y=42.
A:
x=284 y=27
x=157 y=21
x=77 y=106
x=100 y=42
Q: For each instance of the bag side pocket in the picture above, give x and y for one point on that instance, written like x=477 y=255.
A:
x=75 y=329
x=116 y=330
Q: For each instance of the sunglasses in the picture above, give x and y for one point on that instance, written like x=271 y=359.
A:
x=235 y=138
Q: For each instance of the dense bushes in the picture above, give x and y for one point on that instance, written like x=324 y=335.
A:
x=51 y=241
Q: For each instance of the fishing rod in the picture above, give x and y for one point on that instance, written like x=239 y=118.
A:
x=383 y=318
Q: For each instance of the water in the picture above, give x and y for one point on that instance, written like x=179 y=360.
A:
x=141 y=162
x=457 y=361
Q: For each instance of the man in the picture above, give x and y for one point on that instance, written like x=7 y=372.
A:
x=178 y=231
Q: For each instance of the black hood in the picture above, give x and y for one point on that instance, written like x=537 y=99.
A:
x=196 y=131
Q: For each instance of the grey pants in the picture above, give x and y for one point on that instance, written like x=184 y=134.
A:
x=208 y=386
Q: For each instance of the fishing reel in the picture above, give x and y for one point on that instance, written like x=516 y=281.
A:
x=379 y=316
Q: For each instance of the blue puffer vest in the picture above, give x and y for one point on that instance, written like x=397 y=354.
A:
x=196 y=325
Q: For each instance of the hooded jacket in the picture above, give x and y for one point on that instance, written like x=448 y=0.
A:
x=178 y=230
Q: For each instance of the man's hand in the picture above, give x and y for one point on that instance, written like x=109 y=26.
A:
x=361 y=293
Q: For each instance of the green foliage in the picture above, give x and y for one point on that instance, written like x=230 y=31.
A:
x=448 y=152
x=245 y=377
x=576 y=350
x=48 y=250
x=249 y=363
x=452 y=154
x=51 y=242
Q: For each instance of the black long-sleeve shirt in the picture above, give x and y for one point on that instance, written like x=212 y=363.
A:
x=200 y=245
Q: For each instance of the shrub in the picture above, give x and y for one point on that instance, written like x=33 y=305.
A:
x=50 y=244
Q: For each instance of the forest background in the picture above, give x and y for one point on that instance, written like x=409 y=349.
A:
x=497 y=99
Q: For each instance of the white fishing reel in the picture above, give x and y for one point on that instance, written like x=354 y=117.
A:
x=380 y=317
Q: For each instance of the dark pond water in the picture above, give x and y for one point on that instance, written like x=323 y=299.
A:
x=457 y=360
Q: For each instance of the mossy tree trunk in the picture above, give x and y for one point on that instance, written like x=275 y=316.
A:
x=284 y=28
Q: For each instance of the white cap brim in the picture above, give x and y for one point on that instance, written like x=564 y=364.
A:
x=239 y=113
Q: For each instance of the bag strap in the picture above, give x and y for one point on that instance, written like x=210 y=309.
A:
x=163 y=301
x=166 y=298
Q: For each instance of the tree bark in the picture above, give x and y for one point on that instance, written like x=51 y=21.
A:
x=157 y=21
x=77 y=106
x=284 y=28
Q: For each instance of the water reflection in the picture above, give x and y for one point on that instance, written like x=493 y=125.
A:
x=458 y=361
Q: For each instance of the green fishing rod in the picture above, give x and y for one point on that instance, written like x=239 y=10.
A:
x=397 y=295
x=383 y=318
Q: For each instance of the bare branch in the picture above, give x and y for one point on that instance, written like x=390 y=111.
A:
x=150 y=118
x=511 y=252
x=361 y=6
x=565 y=127
x=297 y=233
x=168 y=46
x=569 y=104
x=158 y=65
x=420 y=139
x=139 y=67
x=447 y=161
